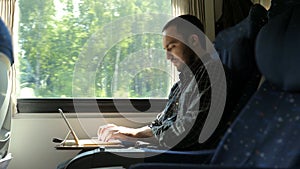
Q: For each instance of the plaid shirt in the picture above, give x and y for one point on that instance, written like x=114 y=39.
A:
x=180 y=123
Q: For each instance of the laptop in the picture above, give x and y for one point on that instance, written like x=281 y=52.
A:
x=81 y=143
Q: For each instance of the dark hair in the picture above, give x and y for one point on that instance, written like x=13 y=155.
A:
x=183 y=24
x=187 y=25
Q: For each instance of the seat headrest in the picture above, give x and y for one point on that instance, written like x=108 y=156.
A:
x=235 y=45
x=279 y=6
x=278 y=50
x=5 y=42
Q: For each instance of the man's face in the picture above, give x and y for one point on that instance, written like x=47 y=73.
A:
x=176 y=51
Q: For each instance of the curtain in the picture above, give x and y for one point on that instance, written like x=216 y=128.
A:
x=265 y=3
x=7 y=10
x=193 y=7
x=197 y=8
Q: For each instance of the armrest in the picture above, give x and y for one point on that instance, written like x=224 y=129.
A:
x=4 y=135
x=171 y=166
x=170 y=156
x=189 y=166
x=127 y=157
x=104 y=158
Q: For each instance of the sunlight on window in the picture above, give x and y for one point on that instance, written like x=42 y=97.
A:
x=92 y=48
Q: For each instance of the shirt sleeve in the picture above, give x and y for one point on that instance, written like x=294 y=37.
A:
x=161 y=116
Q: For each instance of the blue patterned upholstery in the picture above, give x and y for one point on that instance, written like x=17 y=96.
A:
x=5 y=42
x=266 y=134
x=235 y=46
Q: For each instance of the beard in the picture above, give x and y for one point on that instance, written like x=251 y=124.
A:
x=190 y=54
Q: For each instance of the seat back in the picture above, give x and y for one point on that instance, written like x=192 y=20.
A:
x=231 y=17
x=5 y=89
x=6 y=60
x=235 y=47
x=266 y=133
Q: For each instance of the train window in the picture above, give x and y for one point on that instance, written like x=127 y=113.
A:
x=92 y=49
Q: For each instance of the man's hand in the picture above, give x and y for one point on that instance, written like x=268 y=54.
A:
x=112 y=131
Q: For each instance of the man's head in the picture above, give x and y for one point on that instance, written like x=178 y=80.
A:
x=183 y=39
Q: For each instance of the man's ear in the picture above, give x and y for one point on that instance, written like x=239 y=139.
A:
x=194 y=40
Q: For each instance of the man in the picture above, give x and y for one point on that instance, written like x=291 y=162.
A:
x=179 y=125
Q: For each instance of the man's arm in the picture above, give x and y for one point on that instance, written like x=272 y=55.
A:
x=112 y=131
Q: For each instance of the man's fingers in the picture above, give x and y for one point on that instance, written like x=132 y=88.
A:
x=107 y=132
x=102 y=130
x=111 y=131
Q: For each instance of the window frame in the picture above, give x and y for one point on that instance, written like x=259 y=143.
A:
x=51 y=105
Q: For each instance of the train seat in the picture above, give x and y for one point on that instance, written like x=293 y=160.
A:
x=236 y=46
x=6 y=60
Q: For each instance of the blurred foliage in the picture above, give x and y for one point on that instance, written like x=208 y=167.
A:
x=93 y=48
